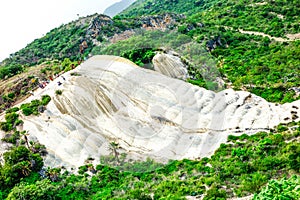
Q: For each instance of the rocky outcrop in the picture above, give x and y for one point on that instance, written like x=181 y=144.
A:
x=96 y=25
x=160 y=22
x=122 y=36
x=213 y=43
x=146 y=113
x=170 y=65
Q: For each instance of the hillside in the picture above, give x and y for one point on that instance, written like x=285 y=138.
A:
x=153 y=118
x=269 y=39
x=207 y=105
x=272 y=17
x=160 y=117
x=118 y=7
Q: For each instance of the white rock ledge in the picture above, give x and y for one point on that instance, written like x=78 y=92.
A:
x=148 y=114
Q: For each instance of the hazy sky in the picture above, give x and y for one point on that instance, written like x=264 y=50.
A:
x=23 y=21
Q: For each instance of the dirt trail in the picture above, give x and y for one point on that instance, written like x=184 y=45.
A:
x=290 y=37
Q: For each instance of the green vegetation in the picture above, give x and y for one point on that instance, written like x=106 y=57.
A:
x=10 y=70
x=140 y=57
x=264 y=67
x=12 y=117
x=267 y=70
x=241 y=167
x=58 y=92
x=23 y=161
x=35 y=106
x=151 y=7
x=20 y=164
x=282 y=189
x=258 y=64
x=272 y=17
x=267 y=164
x=11 y=121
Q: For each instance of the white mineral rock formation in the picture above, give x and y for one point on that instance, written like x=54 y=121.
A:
x=146 y=113
x=170 y=65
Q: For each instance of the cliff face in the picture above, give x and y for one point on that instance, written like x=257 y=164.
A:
x=97 y=23
x=146 y=113
x=160 y=22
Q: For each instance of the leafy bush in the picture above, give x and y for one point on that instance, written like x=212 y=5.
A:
x=14 y=109
x=41 y=189
x=282 y=128
x=27 y=111
x=45 y=100
x=12 y=120
x=58 y=92
x=281 y=189
x=12 y=138
x=33 y=106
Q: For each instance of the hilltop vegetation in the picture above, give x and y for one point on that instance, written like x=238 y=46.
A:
x=262 y=65
x=276 y=18
x=151 y=7
x=258 y=64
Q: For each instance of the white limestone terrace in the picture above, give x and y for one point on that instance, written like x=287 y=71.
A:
x=148 y=114
x=170 y=65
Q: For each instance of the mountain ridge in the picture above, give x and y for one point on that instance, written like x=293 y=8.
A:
x=117 y=7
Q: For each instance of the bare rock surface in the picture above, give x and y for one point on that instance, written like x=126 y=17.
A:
x=170 y=65
x=146 y=113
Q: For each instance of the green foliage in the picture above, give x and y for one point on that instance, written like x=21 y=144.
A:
x=58 y=92
x=40 y=190
x=82 y=169
x=198 y=82
x=59 y=44
x=239 y=168
x=282 y=128
x=27 y=111
x=282 y=189
x=140 y=56
x=264 y=67
x=45 y=100
x=33 y=106
x=10 y=70
x=19 y=163
x=68 y=65
x=12 y=120
x=14 y=109
x=12 y=138
x=242 y=167
x=151 y=7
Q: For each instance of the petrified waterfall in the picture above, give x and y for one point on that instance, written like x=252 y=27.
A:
x=148 y=114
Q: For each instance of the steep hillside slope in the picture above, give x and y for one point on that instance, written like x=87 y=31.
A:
x=276 y=18
x=151 y=7
x=109 y=112
x=146 y=113
x=256 y=44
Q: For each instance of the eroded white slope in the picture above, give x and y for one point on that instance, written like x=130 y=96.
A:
x=148 y=114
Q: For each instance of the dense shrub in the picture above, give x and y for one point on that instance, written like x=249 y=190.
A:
x=281 y=189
